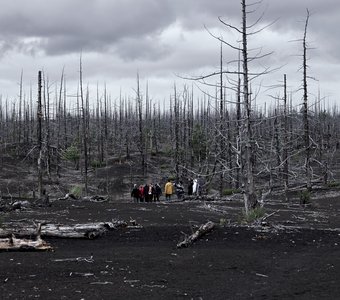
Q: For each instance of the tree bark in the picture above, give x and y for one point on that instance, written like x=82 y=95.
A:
x=39 y=133
x=305 y=110
x=250 y=199
x=202 y=230
x=79 y=231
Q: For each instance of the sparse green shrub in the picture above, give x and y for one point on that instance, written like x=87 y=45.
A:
x=253 y=215
x=77 y=191
x=305 y=197
x=199 y=142
x=229 y=192
x=333 y=184
x=172 y=177
x=72 y=154
x=169 y=152
x=223 y=222
x=97 y=164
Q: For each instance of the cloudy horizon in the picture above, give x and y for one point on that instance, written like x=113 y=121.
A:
x=160 y=39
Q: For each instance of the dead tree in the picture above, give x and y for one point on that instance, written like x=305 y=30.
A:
x=250 y=199
x=59 y=118
x=177 y=150
x=285 y=170
x=47 y=130
x=306 y=132
x=221 y=127
x=141 y=128
x=84 y=125
x=202 y=230
x=39 y=135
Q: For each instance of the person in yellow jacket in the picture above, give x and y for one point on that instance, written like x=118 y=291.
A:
x=168 y=190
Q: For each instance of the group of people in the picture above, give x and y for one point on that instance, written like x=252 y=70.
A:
x=153 y=192
x=146 y=193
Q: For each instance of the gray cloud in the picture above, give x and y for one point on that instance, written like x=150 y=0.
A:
x=71 y=26
x=158 y=37
x=146 y=48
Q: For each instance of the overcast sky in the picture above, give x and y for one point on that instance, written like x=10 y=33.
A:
x=160 y=39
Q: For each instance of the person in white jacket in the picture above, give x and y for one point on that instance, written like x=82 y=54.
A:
x=195 y=187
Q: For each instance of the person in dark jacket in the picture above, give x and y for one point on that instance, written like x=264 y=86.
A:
x=190 y=186
x=135 y=193
x=146 y=193
x=157 y=192
x=179 y=190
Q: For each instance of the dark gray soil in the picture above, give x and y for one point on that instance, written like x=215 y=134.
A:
x=295 y=256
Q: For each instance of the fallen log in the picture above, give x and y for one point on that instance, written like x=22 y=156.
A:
x=95 y=198
x=14 y=206
x=202 y=230
x=14 y=244
x=199 y=198
x=87 y=231
x=67 y=196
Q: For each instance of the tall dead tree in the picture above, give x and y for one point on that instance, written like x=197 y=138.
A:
x=176 y=115
x=250 y=199
x=59 y=118
x=305 y=109
x=46 y=104
x=20 y=107
x=141 y=128
x=39 y=136
x=221 y=127
x=84 y=126
x=285 y=176
x=238 y=126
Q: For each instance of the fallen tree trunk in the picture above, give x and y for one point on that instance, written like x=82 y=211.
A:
x=15 y=244
x=88 y=231
x=200 y=198
x=95 y=198
x=67 y=196
x=15 y=205
x=202 y=230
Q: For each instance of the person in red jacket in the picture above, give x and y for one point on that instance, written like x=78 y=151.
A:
x=141 y=193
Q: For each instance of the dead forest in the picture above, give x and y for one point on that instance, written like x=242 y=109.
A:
x=265 y=224
x=225 y=136
x=198 y=139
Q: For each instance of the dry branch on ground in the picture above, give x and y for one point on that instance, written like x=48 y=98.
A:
x=18 y=244
x=202 y=230
x=88 y=230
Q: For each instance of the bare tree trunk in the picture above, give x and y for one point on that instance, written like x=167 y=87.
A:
x=20 y=105
x=59 y=118
x=47 y=155
x=84 y=126
x=65 y=117
x=141 y=129
x=176 y=112
x=305 y=110
x=39 y=134
x=221 y=129
x=250 y=199
x=191 y=126
x=239 y=160
x=285 y=140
